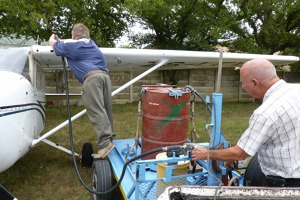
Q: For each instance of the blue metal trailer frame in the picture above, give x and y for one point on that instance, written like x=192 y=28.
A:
x=140 y=180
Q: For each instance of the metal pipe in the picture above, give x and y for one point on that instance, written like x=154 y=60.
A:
x=218 y=83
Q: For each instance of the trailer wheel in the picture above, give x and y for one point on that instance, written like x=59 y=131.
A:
x=253 y=174
x=101 y=179
x=86 y=155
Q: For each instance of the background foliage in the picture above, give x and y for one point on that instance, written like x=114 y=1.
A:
x=267 y=26
x=39 y=19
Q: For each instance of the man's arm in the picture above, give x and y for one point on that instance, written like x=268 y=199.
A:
x=53 y=38
x=229 y=154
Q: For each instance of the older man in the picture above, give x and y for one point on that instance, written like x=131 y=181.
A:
x=274 y=127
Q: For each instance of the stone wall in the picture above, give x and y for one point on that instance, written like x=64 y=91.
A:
x=203 y=80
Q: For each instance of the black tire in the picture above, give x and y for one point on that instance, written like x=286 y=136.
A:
x=101 y=179
x=86 y=155
x=253 y=174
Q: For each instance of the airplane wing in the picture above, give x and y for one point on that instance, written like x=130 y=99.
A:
x=123 y=57
x=154 y=59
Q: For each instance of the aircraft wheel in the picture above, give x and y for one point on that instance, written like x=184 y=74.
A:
x=101 y=179
x=253 y=174
x=86 y=155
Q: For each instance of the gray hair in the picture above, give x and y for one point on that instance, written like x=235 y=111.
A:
x=81 y=31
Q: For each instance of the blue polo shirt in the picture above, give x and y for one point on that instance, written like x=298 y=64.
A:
x=83 y=56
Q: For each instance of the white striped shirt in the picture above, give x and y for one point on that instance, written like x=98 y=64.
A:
x=274 y=131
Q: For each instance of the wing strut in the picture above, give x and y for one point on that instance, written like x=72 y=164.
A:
x=78 y=115
x=218 y=84
x=58 y=147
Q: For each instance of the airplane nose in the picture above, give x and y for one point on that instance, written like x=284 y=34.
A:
x=16 y=91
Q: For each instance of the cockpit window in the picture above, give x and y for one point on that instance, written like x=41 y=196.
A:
x=40 y=77
x=14 y=59
x=25 y=71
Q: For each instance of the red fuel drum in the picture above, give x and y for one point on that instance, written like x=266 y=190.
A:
x=165 y=117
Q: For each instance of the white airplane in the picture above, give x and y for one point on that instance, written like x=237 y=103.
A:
x=22 y=86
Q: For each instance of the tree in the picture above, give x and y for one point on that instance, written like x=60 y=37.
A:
x=24 y=18
x=181 y=24
x=267 y=26
x=38 y=19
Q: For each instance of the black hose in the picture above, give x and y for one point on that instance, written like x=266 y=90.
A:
x=71 y=134
x=125 y=165
x=200 y=96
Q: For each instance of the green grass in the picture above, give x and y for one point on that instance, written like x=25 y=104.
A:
x=47 y=173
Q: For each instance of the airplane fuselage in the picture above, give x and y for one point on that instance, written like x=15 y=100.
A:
x=22 y=114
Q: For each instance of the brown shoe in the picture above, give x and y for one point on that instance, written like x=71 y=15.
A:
x=102 y=153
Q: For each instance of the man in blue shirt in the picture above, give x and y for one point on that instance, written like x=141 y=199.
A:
x=87 y=63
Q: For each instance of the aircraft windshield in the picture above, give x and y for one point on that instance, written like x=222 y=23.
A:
x=14 y=59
